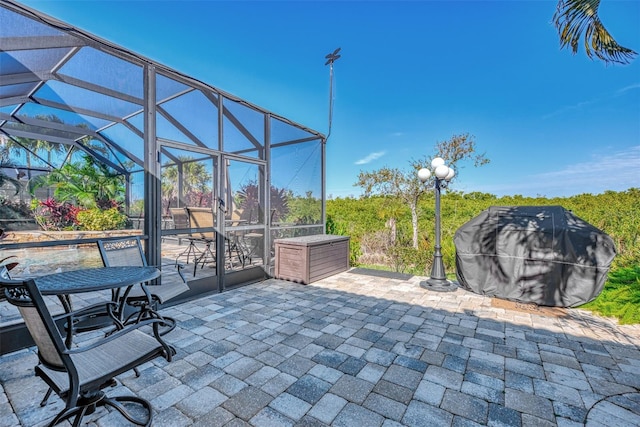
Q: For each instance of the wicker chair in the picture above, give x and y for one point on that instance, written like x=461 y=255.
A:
x=146 y=297
x=78 y=375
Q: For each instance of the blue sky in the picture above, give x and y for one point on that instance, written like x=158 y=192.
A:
x=412 y=73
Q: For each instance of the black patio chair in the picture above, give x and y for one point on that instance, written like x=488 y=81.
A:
x=235 y=240
x=181 y=222
x=73 y=320
x=200 y=217
x=78 y=375
x=145 y=297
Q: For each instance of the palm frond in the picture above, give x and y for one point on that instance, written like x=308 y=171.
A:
x=576 y=19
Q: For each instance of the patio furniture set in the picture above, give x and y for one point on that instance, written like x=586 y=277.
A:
x=132 y=326
x=239 y=245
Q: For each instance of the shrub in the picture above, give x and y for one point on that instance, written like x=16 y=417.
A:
x=15 y=209
x=101 y=220
x=339 y=228
x=53 y=215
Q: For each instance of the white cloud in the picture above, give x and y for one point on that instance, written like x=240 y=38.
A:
x=617 y=171
x=628 y=88
x=583 y=104
x=568 y=108
x=614 y=167
x=371 y=157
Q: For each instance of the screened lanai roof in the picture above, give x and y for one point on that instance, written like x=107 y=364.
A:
x=65 y=92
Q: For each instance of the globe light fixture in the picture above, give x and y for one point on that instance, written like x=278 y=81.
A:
x=443 y=175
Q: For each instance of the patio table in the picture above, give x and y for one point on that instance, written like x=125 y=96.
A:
x=94 y=279
x=89 y=280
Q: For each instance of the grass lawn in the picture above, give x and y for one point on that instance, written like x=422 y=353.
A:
x=620 y=297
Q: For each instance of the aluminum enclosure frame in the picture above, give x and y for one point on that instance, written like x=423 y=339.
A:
x=38 y=57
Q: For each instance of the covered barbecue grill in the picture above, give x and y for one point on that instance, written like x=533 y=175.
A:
x=534 y=254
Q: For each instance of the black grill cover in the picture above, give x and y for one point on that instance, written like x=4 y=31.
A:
x=534 y=254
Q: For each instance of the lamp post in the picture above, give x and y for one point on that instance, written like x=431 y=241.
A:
x=442 y=176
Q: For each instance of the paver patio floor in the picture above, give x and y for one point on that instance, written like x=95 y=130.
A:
x=360 y=350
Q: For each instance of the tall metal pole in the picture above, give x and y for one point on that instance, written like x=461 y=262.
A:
x=442 y=175
x=331 y=58
x=330 y=97
x=438 y=275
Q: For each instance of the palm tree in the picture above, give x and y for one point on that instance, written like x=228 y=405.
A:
x=576 y=19
x=90 y=184
x=37 y=146
x=195 y=179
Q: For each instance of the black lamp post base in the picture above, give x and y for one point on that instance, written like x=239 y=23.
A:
x=439 y=285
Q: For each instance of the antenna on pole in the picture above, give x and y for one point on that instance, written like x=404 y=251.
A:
x=331 y=58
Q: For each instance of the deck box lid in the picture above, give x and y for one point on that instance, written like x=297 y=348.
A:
x=315 y=240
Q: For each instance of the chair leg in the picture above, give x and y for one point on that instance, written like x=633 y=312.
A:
x=191 y=250
x=115 y=403
x=234 y=246
x=207 y=256
x=88 y=404
x=46 y=397
x=169 y=324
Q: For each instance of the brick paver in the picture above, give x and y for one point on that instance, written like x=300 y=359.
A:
x=357 y=350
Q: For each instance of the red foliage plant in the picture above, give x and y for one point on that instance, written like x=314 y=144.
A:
x=53 y=215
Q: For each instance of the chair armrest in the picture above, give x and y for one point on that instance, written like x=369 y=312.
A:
x=179 y=267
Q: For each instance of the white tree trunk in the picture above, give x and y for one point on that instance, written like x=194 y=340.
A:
x=414 y=223
x=391 y=223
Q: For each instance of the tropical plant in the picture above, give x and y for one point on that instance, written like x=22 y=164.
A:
x=196 y=184
x=41 y=149
x=53 y=215
x=247 y=199
x=279 y=201
x=90 y=184
x=576 y=19
x=137 y=207
x=6 y=164
x=101 y=219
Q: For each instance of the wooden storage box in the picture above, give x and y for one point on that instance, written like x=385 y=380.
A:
x=306 y=259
